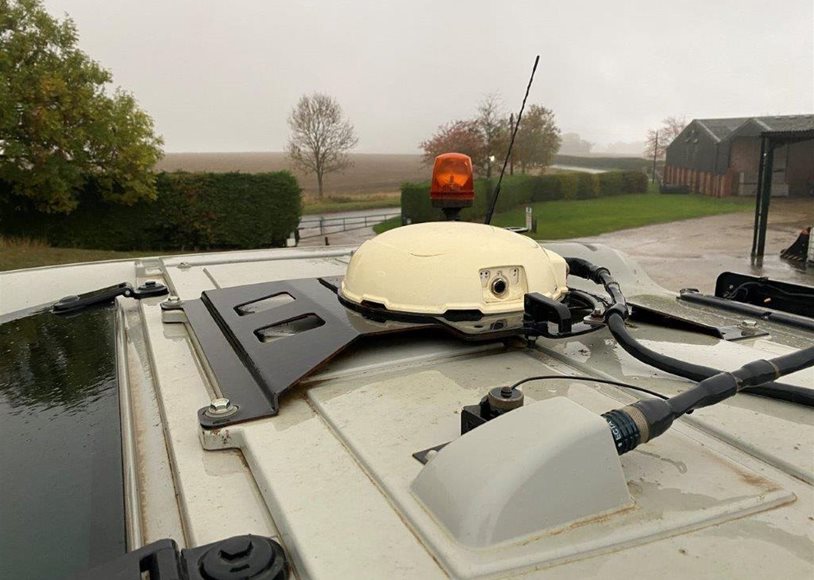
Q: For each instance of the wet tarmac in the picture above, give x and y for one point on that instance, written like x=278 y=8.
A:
x=691 y=253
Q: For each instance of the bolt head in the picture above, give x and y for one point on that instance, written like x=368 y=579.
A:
x=221 y=407
x=219 y=404
x=236 y=548
x=173 y=298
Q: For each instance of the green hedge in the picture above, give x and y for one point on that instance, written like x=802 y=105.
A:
x=194 y=211
x=520 y=189
x=611 y=163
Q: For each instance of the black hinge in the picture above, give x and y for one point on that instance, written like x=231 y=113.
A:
x=255 y=557
x=80 y=301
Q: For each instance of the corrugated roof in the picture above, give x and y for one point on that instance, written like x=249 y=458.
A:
x=721 y=128
x=788 y=122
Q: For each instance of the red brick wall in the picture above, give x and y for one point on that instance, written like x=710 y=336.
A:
x=699 y=181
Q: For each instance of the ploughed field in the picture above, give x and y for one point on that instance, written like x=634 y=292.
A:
x=370 y=173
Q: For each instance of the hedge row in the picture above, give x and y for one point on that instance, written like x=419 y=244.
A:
x=519 y=189
x=193 y=211
x=610 y=163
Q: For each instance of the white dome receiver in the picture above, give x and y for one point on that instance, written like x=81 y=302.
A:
x=432 y=268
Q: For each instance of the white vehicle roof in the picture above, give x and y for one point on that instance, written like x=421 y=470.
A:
x=727 y=492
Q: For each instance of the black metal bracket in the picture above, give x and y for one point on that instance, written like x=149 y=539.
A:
x=542 y=313
x=762 y=313
x=257 y=353
x=255 y=557
x=729 y=332
x=80 y=301
x=761 y=291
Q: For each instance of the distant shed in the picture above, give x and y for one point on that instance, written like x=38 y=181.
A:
x=721 y=157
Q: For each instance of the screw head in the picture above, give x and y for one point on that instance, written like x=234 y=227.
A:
x=173 y=298
x=749 y=323
x=221 y=407
x=235 y=548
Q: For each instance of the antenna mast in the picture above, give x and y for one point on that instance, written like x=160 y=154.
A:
x=511 y=144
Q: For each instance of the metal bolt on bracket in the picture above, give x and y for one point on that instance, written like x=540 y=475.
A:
x=221 y=407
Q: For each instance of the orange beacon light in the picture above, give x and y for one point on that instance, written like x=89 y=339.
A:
x=452 y=186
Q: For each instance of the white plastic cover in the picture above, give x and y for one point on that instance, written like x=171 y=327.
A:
x=434 y=267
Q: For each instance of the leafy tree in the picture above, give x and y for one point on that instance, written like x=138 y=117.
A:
x=60 y=128
x=456 y=137
x=538 y=138
x=320 y=136
x=658 y=139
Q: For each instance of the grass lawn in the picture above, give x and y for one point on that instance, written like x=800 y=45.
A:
x=17 y=253
x=581 y=218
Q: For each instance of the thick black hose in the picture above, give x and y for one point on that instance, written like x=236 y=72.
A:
x=644 y=420
x=695 y=372
x=615 y=320
x=691 y=371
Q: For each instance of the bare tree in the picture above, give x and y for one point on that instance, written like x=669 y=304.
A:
x=494 y=129
x=658 y=139
x=320 y=137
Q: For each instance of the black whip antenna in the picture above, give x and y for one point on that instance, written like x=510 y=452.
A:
x=511 y=144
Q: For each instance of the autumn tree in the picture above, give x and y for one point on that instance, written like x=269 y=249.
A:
x=482 y=137
x=61 y=127
x=658 y=139
x=538 y=139
x=459 y=137
x=320 y=137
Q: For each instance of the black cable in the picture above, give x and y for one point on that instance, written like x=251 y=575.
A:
x=697 y=373
x=615 y=320
x=595 y=380
x=648 y=418
x=733 y=293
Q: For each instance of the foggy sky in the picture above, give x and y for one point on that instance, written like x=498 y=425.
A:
x=223 y=76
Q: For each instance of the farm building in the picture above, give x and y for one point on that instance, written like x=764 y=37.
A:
x=721 y=157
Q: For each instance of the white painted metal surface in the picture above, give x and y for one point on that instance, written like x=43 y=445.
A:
x=726 y=493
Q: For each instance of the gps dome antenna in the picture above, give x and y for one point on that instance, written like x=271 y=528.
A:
x=511 y=144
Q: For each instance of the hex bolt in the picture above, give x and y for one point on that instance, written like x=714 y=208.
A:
x=749 y=323
x=236 y=548
x=506 y=392
x=173 y=298
x=221 y=407
x=150 y=283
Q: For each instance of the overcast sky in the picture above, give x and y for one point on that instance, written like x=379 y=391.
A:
x=223 y=76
